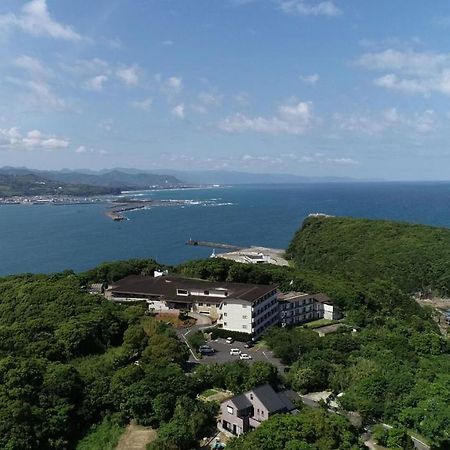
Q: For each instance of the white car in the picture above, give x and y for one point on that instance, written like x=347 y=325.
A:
x=235 y=351
x=229 y=340
x=245 y=356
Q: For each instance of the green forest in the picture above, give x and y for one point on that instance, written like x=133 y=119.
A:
x=75 y=368
x=415 y=257
x=30 y=184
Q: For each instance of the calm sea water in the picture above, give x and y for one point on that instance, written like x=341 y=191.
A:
x=54 y=238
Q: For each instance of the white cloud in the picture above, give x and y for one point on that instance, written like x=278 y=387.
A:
x=12 y=139
x=172 y=86
x=210 y=98
x=42 y=96
x=389 y=120
x=86 y=67
x=37 y=94
x=32 y=65
x=96 y=83
x=129 y=75
x=293 y=118
x=167 y=43
x=34 y=18
x=310 y=79
x=145 y=104
x=82 y=150
x=279 y=162
x=242 y=98
x=178 y=111
x=409 y=71
x=307 y=8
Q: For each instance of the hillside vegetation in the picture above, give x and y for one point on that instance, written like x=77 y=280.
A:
x=108 y=179
x=30 y=184
x=414 y=257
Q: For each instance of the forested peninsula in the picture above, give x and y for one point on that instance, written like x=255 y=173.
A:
x=76 y=368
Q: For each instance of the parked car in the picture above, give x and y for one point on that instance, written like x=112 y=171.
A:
x=245 y=356
x=248 y=344
x=205 y=347
x=206 y=350
x=235 y=351
x=230 y=340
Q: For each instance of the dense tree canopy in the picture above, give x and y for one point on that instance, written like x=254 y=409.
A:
x=70 y=360
x=415 y=257
x=308 y=430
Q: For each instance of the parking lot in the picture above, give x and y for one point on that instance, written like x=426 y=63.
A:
x=222 y=354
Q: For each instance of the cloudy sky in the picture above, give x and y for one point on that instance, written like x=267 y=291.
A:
x=310 y=87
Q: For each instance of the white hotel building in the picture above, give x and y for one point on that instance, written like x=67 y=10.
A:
x=239 y=307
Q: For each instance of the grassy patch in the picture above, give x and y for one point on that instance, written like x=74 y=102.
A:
x=319 y=323
x=262 y=345
x=418 y=436
x=209 y=392
x=104 y=436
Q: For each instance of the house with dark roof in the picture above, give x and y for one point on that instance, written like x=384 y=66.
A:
x=247 y=411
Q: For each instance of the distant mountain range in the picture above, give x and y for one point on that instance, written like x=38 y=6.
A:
x=30 y=184
x=236 y=177
x=113 y=180
x=135 y=179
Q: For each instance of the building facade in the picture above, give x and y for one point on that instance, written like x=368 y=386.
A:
x=297 y=308
x=238 y=307
x=250 y=316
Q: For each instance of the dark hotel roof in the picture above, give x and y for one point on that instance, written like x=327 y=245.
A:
x=166 y=286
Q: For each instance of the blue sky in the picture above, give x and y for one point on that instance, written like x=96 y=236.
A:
x=310 y=87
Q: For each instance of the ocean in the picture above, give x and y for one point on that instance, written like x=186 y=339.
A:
x=49 y=238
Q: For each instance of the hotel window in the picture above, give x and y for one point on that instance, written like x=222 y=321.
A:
x=224 y=324
x=200 y=304
x=244 y=317
x=225 y=314
x=208 y=305
x=182 y=292
x=206 y=292
x=230 y=410
x=244 y=327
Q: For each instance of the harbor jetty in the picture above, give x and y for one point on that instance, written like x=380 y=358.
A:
x=213 y=245
x=116 y=212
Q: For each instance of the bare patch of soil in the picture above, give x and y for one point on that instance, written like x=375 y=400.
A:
x=136 y=437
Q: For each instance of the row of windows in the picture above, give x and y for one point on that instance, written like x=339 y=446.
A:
x=300 y=319
x=264 y=297
x=264 y=308
x=262 y=318
x=226 y=314
x=299 y=311
x=186 y=292
x=268 y=324
x=290 y=305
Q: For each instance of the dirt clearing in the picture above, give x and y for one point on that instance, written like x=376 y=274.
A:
x=136 y=437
